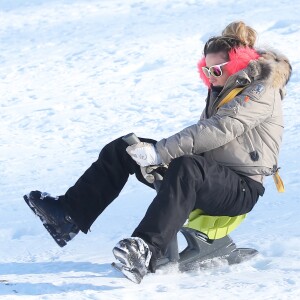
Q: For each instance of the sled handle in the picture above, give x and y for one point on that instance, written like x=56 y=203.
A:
x=131 y=139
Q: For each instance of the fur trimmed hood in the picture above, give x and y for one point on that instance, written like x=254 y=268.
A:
x=260 y=65
x=271 y=66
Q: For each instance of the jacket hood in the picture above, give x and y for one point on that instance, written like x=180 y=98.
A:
x=260 y=65
x=239 y=59
x=272 y=67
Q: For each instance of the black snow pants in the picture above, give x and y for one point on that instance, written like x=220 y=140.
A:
x=190 y=182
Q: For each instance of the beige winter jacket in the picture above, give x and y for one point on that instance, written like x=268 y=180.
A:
x=245 y=134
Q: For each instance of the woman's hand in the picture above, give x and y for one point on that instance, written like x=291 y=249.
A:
x=144 y=154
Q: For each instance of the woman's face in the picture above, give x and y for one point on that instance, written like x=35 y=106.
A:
x=213 y=59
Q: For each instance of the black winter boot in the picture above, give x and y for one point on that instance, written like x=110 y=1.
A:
x=54 y=217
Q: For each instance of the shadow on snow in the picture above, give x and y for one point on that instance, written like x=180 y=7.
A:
x=25 y=287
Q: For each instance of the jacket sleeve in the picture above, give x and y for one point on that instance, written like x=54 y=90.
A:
x=244 y=112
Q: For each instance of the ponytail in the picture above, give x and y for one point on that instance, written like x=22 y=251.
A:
x=246 y=34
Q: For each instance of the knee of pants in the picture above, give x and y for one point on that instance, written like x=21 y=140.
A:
x=188 y=166
x=121 y=145
x=117 y=145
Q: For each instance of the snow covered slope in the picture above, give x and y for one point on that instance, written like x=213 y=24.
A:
x=77 y=74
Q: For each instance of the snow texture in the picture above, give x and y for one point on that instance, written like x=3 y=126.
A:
x=77 y=74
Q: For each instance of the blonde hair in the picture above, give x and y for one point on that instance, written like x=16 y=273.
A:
x=246 y=34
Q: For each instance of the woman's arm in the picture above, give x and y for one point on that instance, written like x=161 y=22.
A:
x=244 y=112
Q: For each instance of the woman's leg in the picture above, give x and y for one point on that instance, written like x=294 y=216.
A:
x=101 y=184
x=191 y=182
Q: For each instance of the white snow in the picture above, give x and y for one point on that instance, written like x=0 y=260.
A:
x=76 y=74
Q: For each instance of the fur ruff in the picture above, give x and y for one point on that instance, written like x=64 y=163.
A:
x=261 y=65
